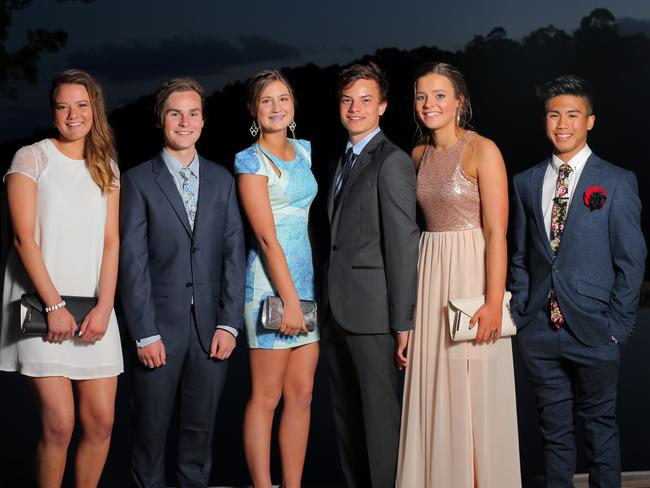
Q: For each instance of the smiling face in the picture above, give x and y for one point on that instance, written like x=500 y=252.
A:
x=73 y=114
x=568 y=120
x=360 y=107
x=436 y=104
x=183 y=121
x=275 y=109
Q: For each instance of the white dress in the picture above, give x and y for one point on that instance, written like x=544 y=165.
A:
x=69 y=230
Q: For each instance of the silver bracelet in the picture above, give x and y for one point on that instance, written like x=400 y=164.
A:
x=54 y=307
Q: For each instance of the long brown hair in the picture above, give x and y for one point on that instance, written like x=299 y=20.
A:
x=99 y=146
x=457 y=80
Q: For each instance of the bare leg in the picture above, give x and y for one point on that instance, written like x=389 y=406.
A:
x=268 y=369
x=56 y=403
x=96 y=412
x=296 y=413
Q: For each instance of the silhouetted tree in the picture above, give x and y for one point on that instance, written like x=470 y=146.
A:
x=599 y=18
x=502 y=74
x=22 y=65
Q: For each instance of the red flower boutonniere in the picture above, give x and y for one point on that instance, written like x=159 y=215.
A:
x=595 y=197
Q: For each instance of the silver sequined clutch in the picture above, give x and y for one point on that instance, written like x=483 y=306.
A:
x=272 y=309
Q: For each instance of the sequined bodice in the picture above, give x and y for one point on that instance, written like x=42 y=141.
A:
x=449 y=198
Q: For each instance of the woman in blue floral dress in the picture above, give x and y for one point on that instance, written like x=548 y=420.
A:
x=276 y=188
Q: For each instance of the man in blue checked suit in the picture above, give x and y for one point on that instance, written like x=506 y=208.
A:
x=182 y=288
x=577 y=266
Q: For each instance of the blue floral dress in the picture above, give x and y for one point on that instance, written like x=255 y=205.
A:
x=291 y=195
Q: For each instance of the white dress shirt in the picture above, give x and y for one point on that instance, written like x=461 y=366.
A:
x=577 y=164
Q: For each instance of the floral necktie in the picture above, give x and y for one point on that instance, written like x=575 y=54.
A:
x=189 y=198
x=558 y=219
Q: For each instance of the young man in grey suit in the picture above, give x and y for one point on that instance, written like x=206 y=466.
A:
x=577 y=266
x=182 y=288
x=371 y=282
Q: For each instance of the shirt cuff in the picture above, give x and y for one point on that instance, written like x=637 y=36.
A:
x=147 y=340
x=228 y=328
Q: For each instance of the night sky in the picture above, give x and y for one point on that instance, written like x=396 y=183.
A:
x=132 y=46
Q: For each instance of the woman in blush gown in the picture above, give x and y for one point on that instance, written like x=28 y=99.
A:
x=459 y=419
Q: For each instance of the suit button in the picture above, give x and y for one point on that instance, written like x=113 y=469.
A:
x=188 y=284
x=334 y=248
x=554 y=269
x=194 y=249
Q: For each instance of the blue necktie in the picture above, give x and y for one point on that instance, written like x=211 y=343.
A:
x=189 y=198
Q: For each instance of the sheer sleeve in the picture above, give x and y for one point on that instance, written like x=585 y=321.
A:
x=29 y=161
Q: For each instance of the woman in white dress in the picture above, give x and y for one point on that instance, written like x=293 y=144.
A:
x=63 y=198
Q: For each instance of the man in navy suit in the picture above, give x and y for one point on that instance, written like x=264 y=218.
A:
x=182 y=287
x=577 y=267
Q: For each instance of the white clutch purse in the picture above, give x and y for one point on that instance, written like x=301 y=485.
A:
x=461 y=310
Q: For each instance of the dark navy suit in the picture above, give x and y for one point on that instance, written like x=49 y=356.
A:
x=180 y=284
x=597 y=274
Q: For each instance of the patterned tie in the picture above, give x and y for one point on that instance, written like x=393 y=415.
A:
x=350 y=158
x=189 y=198
x=558 y=219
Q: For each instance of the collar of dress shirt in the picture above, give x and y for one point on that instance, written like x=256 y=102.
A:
x=577 y=162
x=174 y=165
x=358 y=147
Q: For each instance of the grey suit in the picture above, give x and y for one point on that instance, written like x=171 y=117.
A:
x=369 y=293
x=179 y=283
x=597 y=273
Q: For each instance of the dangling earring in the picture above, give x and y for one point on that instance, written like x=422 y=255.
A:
x=254 y=129
x=292 y=128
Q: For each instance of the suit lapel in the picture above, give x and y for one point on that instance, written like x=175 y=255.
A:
x=166 y=183
x=536 y=187
x=578 y=209
x=362 y=161
x=206 y=184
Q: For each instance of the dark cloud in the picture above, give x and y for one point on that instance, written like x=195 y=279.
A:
x=192 y=56
x=628 y=26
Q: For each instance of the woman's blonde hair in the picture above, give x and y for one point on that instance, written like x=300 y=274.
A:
x=99 y=146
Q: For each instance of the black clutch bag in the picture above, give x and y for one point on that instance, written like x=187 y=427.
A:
x=33 y=318
x=273 y=307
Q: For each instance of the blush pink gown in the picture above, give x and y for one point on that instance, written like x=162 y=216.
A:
x=459 y=420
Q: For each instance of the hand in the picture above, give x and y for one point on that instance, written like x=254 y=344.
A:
x=94 y=326
x=60 y=325
x=153 y=355
x=401 y=342
x=293 y=320
x=223 y=343
x=489 y=323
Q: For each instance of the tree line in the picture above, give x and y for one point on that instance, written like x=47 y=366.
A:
x=502 y=74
